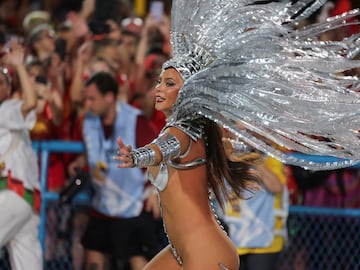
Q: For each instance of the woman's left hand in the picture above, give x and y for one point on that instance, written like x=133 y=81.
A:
x=124 y=155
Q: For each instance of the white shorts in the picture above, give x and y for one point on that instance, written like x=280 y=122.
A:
x=19 y=227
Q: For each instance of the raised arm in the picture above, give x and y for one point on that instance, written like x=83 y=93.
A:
x=15 y=58
x=84 y=54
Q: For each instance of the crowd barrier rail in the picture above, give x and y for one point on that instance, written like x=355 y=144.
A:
x=44 y=149
x=302 y=221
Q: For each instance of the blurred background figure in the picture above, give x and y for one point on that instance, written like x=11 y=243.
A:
x=122 y=225
x=257 y=225
x=19 y=178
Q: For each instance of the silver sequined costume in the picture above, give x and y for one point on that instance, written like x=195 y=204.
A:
x=245 y=65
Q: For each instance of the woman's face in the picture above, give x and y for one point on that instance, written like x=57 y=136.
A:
x=167 y=89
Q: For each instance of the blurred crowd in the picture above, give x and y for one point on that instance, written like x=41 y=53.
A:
x=67 y=42
x=53 y=48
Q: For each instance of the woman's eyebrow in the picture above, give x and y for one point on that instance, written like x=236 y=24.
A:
x=169 y=78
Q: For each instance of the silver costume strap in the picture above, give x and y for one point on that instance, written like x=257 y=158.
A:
x=143 y=157
x=169 y=146
x=189 y=165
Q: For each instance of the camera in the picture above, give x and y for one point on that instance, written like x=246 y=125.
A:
x=76 y=184
x=60 y=48
x=41 y=79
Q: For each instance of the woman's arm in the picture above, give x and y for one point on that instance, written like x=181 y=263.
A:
x=53 y=97
x=169 y=145
x=270 y=180
x=84 y=54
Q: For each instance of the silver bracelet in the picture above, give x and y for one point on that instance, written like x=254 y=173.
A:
x=169 y=146
x=143 y=157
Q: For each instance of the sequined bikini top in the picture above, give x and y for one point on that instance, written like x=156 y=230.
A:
x=195 y=130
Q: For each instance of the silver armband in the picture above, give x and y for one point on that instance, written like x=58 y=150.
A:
x=169 y=146
x=143 y=157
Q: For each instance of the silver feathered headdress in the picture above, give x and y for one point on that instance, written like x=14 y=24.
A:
x=249 y=69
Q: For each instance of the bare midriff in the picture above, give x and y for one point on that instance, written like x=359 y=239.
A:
x=191 y=226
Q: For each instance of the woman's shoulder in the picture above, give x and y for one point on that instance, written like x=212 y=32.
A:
x=192 y=127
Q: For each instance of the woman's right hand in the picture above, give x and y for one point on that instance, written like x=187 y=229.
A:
x=124 y=155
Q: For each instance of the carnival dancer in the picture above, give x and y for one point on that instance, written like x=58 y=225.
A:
x=241 y=66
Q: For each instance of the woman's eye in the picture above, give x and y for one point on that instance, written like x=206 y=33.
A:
x=157 y=83
x=169 y=84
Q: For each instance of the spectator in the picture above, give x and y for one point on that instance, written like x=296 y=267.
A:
x=50 y=105
x=154 y=39
x=47 y=127
x=46 y=47
x=131 y=32
x=120 y=223
x=12 y=13
x=149 y=57
x=336 y=188
x=41 y=42
x=85 y=65
x=19 y=173
x=146 y=101
x=257 y=225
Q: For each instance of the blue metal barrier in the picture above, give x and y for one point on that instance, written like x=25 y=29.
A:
x=45 y=148
x=306 y=210
x=319 y=238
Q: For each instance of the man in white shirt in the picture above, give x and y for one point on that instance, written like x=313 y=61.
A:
x=19 y=180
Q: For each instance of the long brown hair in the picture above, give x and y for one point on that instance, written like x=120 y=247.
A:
x=225 y=176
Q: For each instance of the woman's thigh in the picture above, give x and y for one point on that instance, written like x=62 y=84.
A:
x=164 y=260
x=209 y=259
x=209 y=265
x=214 y=254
